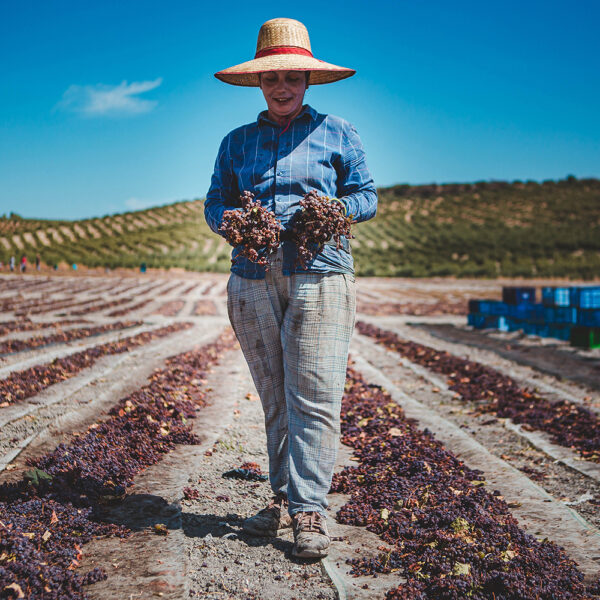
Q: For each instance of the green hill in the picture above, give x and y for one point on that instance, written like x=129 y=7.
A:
x=484 y=229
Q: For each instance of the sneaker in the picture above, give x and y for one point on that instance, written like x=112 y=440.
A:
x=311 y=538
x=270 y=520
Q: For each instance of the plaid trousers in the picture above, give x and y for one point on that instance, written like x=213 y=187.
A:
x=295 y=334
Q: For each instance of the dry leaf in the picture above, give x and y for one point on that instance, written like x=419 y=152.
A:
x=17 y=588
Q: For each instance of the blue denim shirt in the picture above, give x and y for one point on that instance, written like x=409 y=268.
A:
x=279 y=166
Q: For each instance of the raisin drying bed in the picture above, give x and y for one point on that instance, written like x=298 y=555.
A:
x=155 y=498
x=124 y=371
x=568 y=424
x=59 y=351
x=561 y=362
x=537 y=439
x=538 y=512
x=106 y=446
x=425 y=332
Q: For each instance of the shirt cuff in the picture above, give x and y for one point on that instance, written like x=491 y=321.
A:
x=343 y=203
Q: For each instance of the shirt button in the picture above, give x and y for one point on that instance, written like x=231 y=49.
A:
x=279 y=172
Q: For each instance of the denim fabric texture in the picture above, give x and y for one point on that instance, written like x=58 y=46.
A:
x=279 y=166
x=295 y=333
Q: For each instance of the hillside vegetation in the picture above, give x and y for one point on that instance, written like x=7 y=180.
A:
x=486 y=229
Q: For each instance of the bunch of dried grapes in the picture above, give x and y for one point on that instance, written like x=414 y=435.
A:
x=319 y=220
x=254 y=228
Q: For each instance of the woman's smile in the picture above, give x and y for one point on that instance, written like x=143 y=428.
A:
x=284 y=93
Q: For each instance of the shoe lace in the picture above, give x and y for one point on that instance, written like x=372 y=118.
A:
x=279 y=502
x=310 y=521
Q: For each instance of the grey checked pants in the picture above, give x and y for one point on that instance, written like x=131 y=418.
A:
x=295 y=333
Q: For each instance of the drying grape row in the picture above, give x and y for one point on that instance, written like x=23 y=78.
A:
x=20 y=385
x=204 y=307
x=445 y=534
x=9 y=346
x=568 y=424
x=170 y=309
x=208 y=288
x=188 y=289
x=319 y=220
x=254 y=229
x=28 y=325
x=100 y=306
x=123 y=311
x=38 y=308
x=56 y=507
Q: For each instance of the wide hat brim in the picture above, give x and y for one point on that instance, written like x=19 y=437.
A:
x=246 y=73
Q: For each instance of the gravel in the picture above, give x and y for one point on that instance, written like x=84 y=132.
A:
x=224 y=562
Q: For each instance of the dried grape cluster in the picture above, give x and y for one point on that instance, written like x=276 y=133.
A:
x=24 y=384
x=570 y=425
x=47 y=516
x=64 y=336
x=447 y=536
x=254 y=228
x=319 y=220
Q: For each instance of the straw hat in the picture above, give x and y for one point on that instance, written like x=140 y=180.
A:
x=283 y=45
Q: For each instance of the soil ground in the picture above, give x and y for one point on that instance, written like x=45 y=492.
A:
x=206 y=554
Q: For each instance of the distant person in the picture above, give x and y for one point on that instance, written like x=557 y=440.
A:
x=23 y=263
x=55 y=267
x=12 y=263
x=74 y=266
x=37 y=262
x=143 y=267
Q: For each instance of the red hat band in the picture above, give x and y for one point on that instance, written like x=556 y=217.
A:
x=283 y=50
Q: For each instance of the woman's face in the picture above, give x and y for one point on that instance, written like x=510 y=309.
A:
x=284 y=93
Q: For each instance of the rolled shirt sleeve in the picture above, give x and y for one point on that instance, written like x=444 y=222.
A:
x=356 y=188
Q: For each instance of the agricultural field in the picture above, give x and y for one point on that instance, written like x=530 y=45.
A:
x=485 y=229
x=468 y=467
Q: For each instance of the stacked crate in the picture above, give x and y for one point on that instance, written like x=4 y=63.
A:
x=566 y=313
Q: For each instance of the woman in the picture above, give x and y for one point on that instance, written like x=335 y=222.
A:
x=293 y=324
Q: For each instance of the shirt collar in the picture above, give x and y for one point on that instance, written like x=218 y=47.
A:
x=306 y=112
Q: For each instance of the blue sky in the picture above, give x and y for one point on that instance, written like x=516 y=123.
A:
x=108 y=106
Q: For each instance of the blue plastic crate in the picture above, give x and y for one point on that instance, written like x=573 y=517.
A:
x=542 y=329
x=589 y=317
x=556 y=296
x=476 y=320
x=481 y=321
x=535 y=313
x=474 y=306
x=560 y=314
x=527 y=312
x=560 y=332
x=585 y=297
x=518 y=311
x=492 y=307
x=514 y=324
x=518 y=295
